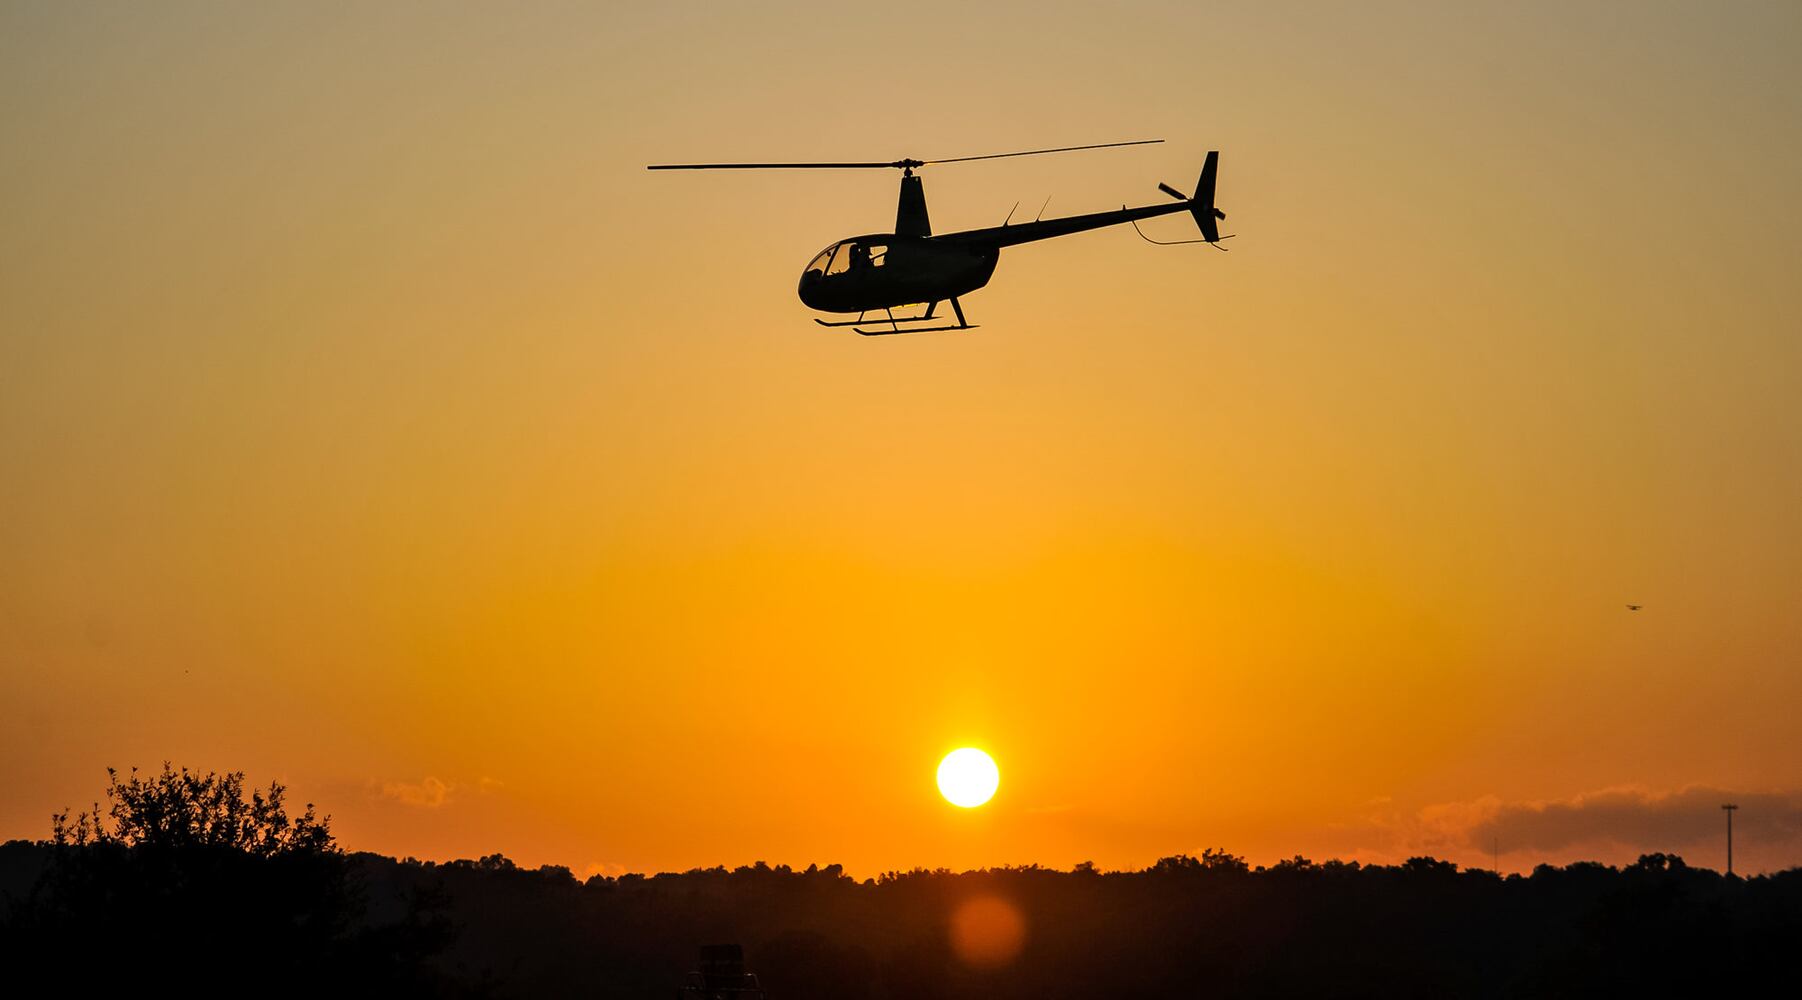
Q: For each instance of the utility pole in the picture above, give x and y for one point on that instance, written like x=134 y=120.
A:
x=1729 y=811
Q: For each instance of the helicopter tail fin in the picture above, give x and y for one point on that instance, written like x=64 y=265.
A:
x=1203 y=203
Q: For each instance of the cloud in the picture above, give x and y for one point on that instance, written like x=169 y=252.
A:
x=1635 y=816
x=1613 y=823
x=429 y=793
x=606 y=869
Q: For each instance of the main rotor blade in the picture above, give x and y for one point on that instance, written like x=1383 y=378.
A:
x=1035 y=152
x=896 y=164
x=767 y=166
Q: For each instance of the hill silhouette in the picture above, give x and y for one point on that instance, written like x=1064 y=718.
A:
x=119 y=911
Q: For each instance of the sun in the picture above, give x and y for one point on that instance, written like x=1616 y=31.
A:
x=968 y=777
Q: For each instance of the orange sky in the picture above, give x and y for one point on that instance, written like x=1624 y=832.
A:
x=371 y=420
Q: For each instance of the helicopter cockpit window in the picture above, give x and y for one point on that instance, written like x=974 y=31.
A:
x=856 y=257
x=818 y=265
x=841 y=261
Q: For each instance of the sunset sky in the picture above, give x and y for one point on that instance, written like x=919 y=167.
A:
x=371 y=420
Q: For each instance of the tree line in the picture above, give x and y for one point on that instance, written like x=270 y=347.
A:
x=186 y=880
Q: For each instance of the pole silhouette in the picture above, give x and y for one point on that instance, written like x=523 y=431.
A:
x=1728 y=809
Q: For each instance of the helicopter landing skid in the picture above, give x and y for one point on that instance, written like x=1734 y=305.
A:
x=896 y=323
x=915 y=329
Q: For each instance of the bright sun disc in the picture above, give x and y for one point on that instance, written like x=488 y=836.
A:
x=968 y=777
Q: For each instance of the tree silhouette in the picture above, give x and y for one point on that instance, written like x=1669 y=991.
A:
x=189 y=880
x=185 y=879
x=181 y=810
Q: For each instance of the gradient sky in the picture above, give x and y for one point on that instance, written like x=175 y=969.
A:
x=371 y=420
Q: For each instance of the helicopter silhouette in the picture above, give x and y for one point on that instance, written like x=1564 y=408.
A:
x=910 y=266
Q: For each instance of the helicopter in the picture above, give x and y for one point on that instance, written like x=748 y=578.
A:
x=877 y=272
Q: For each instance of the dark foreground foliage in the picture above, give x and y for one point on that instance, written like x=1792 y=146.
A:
x=213 y=919
x=186 y=883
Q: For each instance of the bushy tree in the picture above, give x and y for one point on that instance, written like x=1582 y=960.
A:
x=182 y=810
x=185 y=879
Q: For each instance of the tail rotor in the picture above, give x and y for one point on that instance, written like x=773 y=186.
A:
x=1201 y=206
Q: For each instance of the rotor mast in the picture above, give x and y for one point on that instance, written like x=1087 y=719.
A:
x=910 y=211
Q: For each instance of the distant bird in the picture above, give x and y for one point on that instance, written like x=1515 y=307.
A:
x=1634 y=607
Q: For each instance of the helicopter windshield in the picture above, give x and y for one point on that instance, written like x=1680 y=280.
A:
x=847 y=256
